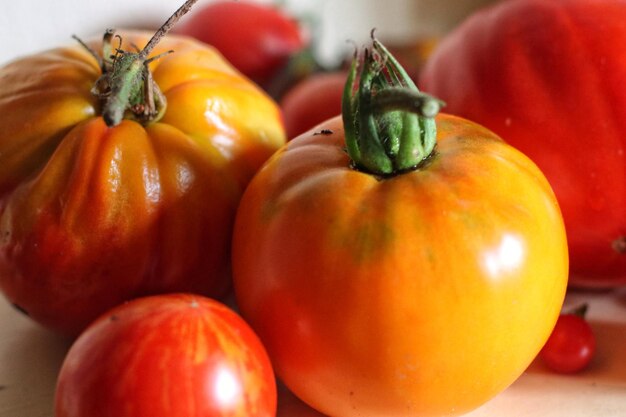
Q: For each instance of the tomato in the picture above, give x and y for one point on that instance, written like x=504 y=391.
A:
x=571 y=346
x=548 y=77
x=418 y=291
x=311 y=101
x=413 y=55
x=92 y=215
x=175 y=355
x=257 y=39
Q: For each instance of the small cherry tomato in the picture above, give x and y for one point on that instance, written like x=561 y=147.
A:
x=257 y=39
x=176 y=355
x=312 y=101
x=571 y=345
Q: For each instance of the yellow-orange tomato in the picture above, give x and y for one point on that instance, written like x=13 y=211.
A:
x=420 y=294
x=92 y=215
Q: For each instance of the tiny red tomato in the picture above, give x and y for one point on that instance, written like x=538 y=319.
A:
x=256 y=38
x=312 y=101
x=571 y=345
x=174 y=355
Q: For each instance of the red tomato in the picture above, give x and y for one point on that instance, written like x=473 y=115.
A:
x=571 y=345
x=256 y=38
x=423 y=291
x=172 y=355
x=549 y=76
x=312 y=101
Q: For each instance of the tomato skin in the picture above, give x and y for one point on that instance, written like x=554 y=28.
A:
x=547 y=77
x=257 y=39
x=422 y=294
x=175 y=355
x=312 y=101
x=571 y=346
x=91 y=216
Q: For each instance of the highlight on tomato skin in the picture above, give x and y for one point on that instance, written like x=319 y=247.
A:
x=175 y=355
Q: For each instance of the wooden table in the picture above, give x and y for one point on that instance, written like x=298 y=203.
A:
x=31 y=356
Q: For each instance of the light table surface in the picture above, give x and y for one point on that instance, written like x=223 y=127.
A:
x=30 y=358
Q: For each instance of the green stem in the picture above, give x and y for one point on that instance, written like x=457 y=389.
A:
x=162 y=31
x=399 y=98
x=126 y=87
x=418 y=135
x=373 y=152
x=349 y=109
x=389 y=125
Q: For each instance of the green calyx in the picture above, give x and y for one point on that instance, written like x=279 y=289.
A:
x=389 y=124
x=126 y=87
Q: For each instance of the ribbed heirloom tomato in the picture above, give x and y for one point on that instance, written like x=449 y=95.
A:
x=417 y=274
x=101 y=202
x=548 y=77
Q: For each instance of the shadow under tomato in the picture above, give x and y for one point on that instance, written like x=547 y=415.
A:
x=608 y=365
x=291 y=406
x=621 y=296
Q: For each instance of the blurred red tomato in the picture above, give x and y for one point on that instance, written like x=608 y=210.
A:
x=256 y=38
x=312 y=101
x=548 y=77
x=167 y=356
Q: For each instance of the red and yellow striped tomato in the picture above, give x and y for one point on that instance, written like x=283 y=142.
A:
x=173 y=355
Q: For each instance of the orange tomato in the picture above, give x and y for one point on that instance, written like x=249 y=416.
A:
x=424 y=293
x=92 y=215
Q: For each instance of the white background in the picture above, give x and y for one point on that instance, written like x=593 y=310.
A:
x=28 y=26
